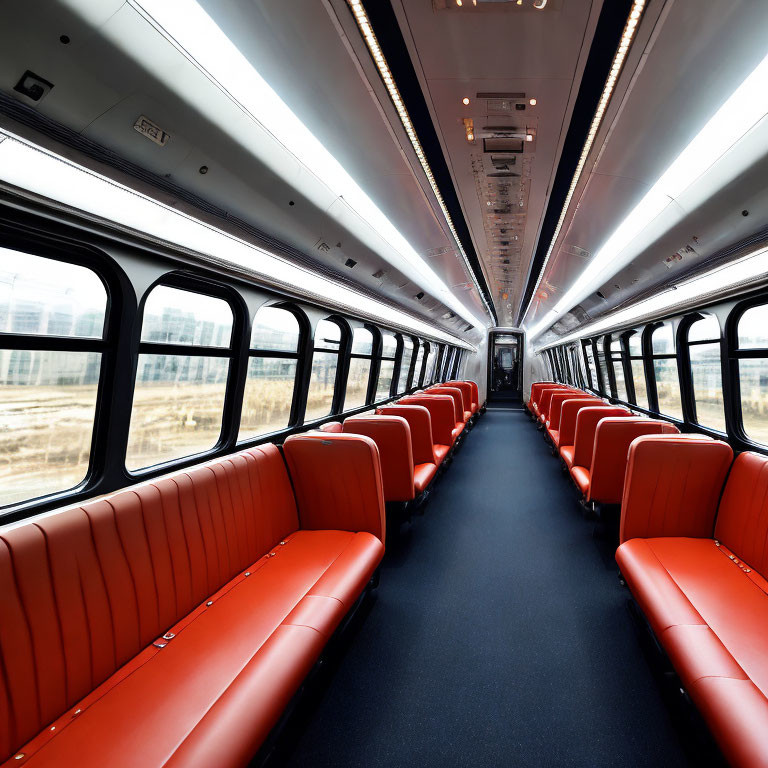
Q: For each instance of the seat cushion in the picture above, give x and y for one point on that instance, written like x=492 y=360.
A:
x=710 y=612
x=224 y=680
x=422 y=476
x=580 y=476
x=441 y=451
x=554 y=435
x=566 y=454
x=467 y=415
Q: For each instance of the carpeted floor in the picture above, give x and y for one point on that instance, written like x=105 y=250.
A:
x=500 y=634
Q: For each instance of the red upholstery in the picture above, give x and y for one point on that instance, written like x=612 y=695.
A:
x=613 y=437
x=706 y=600
x=587 y=419
x=423 y=475
x=555 y=411
x=442 y=410
x=475 y=395
x=331 y=426
x=420 y=422
x=568 y=412
x=672 y=486
x=546 y=400
x=218 y=556
x=466 y=392
x=462 y=416
x=536 y=388
x=392 y=436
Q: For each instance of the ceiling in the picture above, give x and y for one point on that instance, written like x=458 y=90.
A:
x=500 y=56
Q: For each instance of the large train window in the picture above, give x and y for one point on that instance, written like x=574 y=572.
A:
x=418 y=365
x=706 y=373
x=429 y=369
x=605 y=382
x=405 y=364
x=752 y=333
x=665 y=371
x=52 y=321
x=181 y=377
x=591 y=367
x=361 y=358
x=617 y=362
x=637 y=366
x=271 y=377
x=325 y=364
x=387 y=366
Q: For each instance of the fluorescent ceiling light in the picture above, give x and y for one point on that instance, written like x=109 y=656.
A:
x=197 y=36
x=742 y=271
x=28 y=167
x=742 y=111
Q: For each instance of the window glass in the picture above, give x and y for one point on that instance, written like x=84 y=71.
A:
x=618 y=369
x=663 y=340
x=753 y=328
x=753 y=374
x=429 y=371
x=384 y=386
x=388 y=345
x=270 y=381
x=275 y=329
x=362 y=342
x=175 y=316
x=47 y=398
x=359 y=370
x=44 y=297
x=591 y=363
x=178 y=403
x=706 y=373
x=635 y=342
x=405 y=364
x=322 y=382
x=328 y=335
x=417 y=367
x=606 y=390
x=665 y=371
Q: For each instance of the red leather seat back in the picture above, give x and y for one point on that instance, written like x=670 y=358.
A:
x=538 y=387
x=334 y=427
x=546 y=398
x=586 y=424
x=742 y=519
x=556 y=405
x=420 y=422
x=442 y=410
x=611 y=451
x=337 y=481
x=466 y=393
x=475 y=392
x=672 y=486
x=458 y=400
x=392 y=436
x=83 y=591
x=568 y=412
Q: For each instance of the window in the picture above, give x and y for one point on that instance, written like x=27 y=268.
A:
x=271 y=377
x=47 y=395
x=419 y=365
x=665 y=371
x=325 y=364
x=706 y=373
x=752 y=333
x=429 y=370
x=359 y=369
x=617 y=361
x=405 y=364
x=605 y=385
x=456 y=363
x=637 y=366
x=591 y=367
x=181 y=377
x=387 y=366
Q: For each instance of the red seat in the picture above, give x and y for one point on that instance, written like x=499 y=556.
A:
x=333 y=427
x=425 y=462
x=466 y=391
x=392 y=435
x=697 y=570
x=171 y=624
x=613 y=436
x=475 y=395
x=545 y=400
x=462 y=416
x=580 y=453
x=442 y=411
x=535 y=389
x=555 y=411
x=536 y=399
x=568 y=412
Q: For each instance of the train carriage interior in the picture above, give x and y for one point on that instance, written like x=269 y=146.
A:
x=383 y=383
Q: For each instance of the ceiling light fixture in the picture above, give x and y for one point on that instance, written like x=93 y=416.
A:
x=616 y=66
x=532 y=102
x=465 y=101
x=23 y=165
x=743 y=109
x=361 y=17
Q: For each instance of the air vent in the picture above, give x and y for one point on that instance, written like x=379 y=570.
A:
x=503 y=144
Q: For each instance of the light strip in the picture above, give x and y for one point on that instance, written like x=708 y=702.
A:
x=746 y=107
x=374 y=48
x=186 y=25
x=28 y=167
x=617 y=65
x=741 y=272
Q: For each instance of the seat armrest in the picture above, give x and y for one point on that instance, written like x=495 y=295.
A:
x=672 y=486
x=337 y=482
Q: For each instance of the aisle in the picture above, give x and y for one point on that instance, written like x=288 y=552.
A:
x=500 y=635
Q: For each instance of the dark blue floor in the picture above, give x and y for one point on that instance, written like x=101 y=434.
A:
x=500 y=634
